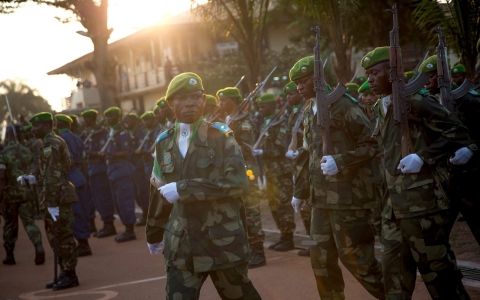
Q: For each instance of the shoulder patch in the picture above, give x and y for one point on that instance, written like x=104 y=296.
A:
x=423 y=92
x=474 y=92
x=283 y=130
x=47 y=151
x=162 y=136
x=246 y=126
x=222 y=127
x=351 y=98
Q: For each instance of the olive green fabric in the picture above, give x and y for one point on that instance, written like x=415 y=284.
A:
x=184 y=83
x=63 y=118
x=212 y=100
x=89 y=112
x=360 y=80
x=409 y=75
x=26 y=128
x=365 y=88
x=352 y=86
x=155 y=109
x=74 y=117
x=147 y=114
x=266 y=98
x=113 y=110
x=41 y=117
x=429 y=65
x=378 y=55
x=302 y=68
x=458 y=69
x=229 y=92
x=162 y=102
x=132 y=115
x=291 y=86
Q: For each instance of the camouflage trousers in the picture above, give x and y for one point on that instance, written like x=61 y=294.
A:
x=376 y=217
x=254 y=221
x=344 y=234
x=279 y=194
x=26 y=211
x=420 y=242
x=63 y=227
x=231 y=283
x=306 y=215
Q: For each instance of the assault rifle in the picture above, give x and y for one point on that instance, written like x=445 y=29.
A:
x=322 y=100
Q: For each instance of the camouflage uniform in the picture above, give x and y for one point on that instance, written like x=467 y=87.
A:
x=416 y=220
x=278 y=173
x=341 y=203
x=205 y=229
x=17 y=200
x=54 y=164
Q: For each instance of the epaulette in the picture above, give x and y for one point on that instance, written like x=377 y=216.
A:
x=474 y=92
x=162 y=136
x=350 y=97
x=423 y=92
x=222 y=127
x=376 y=103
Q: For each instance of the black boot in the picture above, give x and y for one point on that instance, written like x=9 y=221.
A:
x=286 y=243
x=142 y=221
x=9 y=259
x=93 y=227
x=50 y=284
x=304 y=252
x=83 y=248
x=258 y=256
x=69 y=280
x=39 y=254
x=107 y=230
x=128 y=235
x=272 y=246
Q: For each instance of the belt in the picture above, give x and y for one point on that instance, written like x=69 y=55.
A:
x=115 y=160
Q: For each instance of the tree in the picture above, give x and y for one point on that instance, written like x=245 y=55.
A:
x=24 y=101
x=92 y=14
x=460 y=21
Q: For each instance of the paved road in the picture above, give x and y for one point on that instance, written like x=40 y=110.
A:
x=128 y=271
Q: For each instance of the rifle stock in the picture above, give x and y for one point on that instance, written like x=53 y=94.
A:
x=443 y=72
x=296 y=127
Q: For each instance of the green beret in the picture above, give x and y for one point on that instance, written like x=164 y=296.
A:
x=63 y=118
x=113 y=110
x=291 y=86
x=161 y=103
x=360 y=80
x=351 y=86
x=429 y=65
x=378 y=55
x=184 y=83
x=229 y=92
x=365 y=88
x=458 y=69
x=211 y=99
x=131 y=115
x=73 y=117
x=408 y=75
x=266 y=98
x=26 y=128
x=302 y=68
x=155 y=109
x=147 y=114
x=89 y=112
x=41 y=117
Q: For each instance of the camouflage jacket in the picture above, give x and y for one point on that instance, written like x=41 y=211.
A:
x=245 y=133
x=352 y=187
x=17 y=160
x=291 y=123
x=274 y=146
x=436 y=134
x=204 y=229
x=54 y=162
x=35 y=146
x=468 y=110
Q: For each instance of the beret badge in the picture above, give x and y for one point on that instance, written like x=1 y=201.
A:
x=192 y=81
x=304 y=69
x=429 y=66
x=367 y=60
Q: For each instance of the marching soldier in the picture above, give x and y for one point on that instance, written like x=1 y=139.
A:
x=367 y=99
x=147 y=145
x=416 y=217
x=16 y=200
x=458 y=73
x=53 y=201
x=340 y=190
x=166 y=113
x=210 y=106
x=278 y=172
x=244 y=132
x=201 y=178
x=352 y=89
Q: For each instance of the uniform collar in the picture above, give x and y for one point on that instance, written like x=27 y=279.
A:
x=63 y=130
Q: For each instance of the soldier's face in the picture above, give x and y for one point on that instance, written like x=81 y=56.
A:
x=458 y=78
x=112 y=119
x=89 y=121
x=40 y=129
x=130 y=123
x=305 y=86
x=368 y=100
x=379 y=78
x=294 y=97
x=160 y=118
x=227 y=105
x=149 y=122
x=267 y=109
x=188 y=107
x=432 y=83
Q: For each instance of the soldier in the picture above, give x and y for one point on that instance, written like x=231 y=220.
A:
x=458 y=73
x=53 y=201
x=367 y=99
x=462 y=190
x=16 y=200
x=75 y=126
x=352 y=89
x=147 y=145
x=166 y=112
x=159 y=117
x=81 y=208
x=199 y=169
x=35 y=146
x=340 y=190
x=416 y=219
x=210 y=106
x=408 y=75
x=119 y=171
x=136 y=159
x=278 y=172
x=244 y=132
x=95 y=137
x=298 y=106
x=360 y=80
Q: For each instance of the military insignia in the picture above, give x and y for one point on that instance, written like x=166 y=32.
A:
x=47 y=151
x=167 y=158
x=429 y=66
x=287 y=88
x=246 y=126
x=283 y=130
x=162 y=136
x=192 y=81
x=37 y=119
x=221 y=94
x=222 y=127
x=455 y=70
x=304 y=69
x=184 y=133
x=211 y=153
x=366 y=60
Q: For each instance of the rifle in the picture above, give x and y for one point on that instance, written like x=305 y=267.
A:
x=400 y=113
x=112 y=134
x=354 y=75
x=145 y=139
x=415 y=71
x=443 y=72
x=275 y=120
x=89 y=136
x=217 y=111
x=322 y=100
x=11 y=119
x=296 y=127
x=238 y=83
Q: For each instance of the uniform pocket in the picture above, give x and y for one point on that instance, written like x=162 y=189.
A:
x=226 y=239
x=173 y=236
x=419 y=192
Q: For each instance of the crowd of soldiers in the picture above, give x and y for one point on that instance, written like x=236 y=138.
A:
x=198 y=166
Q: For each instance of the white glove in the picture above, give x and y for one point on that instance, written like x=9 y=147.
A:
x=411 y=163
x=461 y=156
x=292 y=155
x=21 y=180
x=328 y=166
x=169 y=191
x=155 y=248
x=31 y=179
x=54 y=212
x=257 y=152
x=154 y=155
x=262 y=183
x=296 y=204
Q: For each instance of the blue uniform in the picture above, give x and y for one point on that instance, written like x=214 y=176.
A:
x=120 y=172
x=142 y=185
x=97 y=173
x=81 y=208
x=148 y=145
